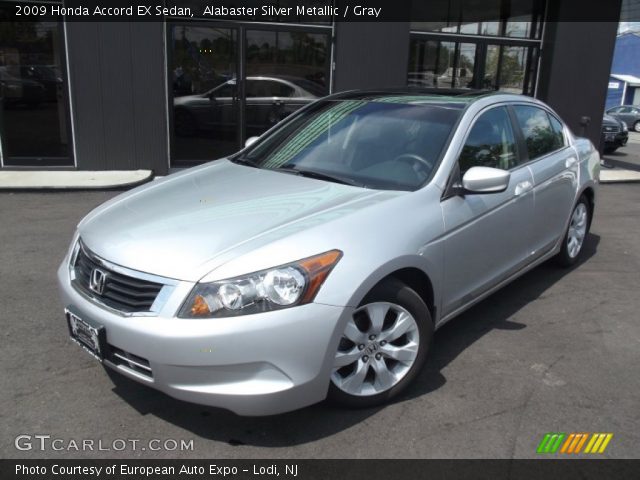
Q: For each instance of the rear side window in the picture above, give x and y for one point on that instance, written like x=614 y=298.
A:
x=558 y=131
x=539 y=135
x=490 y=143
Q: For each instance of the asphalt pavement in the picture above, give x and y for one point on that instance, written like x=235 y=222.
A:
x=555 y=351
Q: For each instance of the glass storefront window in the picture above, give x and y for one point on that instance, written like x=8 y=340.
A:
x=475 y=65
x=214 y=110
x=512 y=69
x=465 y=65
x=490 y=77
x=441 y=64
x=34 y=122
x=203 y=77
x=496 y=18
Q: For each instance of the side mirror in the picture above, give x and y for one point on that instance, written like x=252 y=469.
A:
x=485 y=180
x=250 y=141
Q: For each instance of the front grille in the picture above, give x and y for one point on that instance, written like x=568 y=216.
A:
x=121 y=292
x=131 y=361
x=611 y=129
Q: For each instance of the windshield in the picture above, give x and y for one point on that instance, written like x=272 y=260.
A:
x=370 y=143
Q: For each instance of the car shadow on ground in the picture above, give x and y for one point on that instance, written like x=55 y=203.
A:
x=323 y=420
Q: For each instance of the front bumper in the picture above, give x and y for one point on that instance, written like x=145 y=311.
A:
x=252 y=365
x=619 y=140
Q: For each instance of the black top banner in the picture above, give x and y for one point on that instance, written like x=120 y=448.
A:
x=438 y=12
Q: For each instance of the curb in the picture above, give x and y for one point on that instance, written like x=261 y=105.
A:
x=58 y=181
x=619 y=176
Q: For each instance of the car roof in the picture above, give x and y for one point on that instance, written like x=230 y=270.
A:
x=453 y=98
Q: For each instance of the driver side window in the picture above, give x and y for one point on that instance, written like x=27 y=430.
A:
x=491 y=142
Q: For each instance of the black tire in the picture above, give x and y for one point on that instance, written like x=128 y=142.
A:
x=393 y=291
x=563 y=258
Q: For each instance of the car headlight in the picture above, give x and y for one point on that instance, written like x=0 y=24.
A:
x=285 y=286
x=625 y=127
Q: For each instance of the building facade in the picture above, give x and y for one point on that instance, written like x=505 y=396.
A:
x=162 y=95
x=624 y=84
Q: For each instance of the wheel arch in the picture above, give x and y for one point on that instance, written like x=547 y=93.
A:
x=415 y=272
x=590 y=193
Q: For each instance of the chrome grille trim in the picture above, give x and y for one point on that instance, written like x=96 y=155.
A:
x=128 y=360
x=127 y=292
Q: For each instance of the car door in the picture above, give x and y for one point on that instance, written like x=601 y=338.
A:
x=554 y=165
x=615 y=111
x=631 y=117
x=628 y=115
x=486 y=235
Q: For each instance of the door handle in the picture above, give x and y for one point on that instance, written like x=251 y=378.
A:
x=570 y=162
x=523 y=187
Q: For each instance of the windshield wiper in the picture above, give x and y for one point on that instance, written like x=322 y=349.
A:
x=244 y=161
x=320 y=176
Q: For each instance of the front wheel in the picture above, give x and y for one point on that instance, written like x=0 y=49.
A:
x=383 y=347
x=576 y=233
x=636 y=126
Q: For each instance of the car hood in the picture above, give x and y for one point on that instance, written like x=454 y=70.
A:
x=611 y=121
x=178 y=226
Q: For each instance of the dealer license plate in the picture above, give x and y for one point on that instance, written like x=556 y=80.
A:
x=90 y=336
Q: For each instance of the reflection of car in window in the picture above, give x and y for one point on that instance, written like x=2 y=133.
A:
x=47 y=75
x=463 y=77
x=615 y=133
x=16 y=90
x=269 y=99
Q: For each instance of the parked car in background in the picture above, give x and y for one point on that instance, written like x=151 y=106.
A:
x=319 y=260
x=615 y=133
x=630 y=114
x=20 y=91
x=47 y=75
x=269 y=99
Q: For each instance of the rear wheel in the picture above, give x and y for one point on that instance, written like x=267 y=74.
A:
x=383 y=347
x=576 y=233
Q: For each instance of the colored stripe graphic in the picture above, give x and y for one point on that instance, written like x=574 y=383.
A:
x=550 y=443
x=573 y=443
x=598 y=443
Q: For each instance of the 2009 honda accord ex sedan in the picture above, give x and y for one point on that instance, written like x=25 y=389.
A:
x=318 y=261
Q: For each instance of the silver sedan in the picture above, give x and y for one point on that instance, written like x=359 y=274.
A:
x=318 y=261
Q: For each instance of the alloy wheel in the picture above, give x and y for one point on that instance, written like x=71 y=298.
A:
x=377 y=349
x=577 y=230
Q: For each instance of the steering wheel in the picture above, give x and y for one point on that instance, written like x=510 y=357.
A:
x=415 y=159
